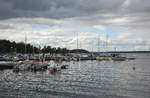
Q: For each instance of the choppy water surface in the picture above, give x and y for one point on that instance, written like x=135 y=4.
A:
x=85 y=79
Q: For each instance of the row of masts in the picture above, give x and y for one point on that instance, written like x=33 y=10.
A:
x=77 y=39
x=78 y=43
x=26 y=44
x=105 y=43
x=98 y=44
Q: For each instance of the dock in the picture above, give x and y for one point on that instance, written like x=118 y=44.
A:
x=7 y=65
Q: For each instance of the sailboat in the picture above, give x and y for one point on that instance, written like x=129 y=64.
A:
x=23 y=65
x=118 y=57
x=99 y=58
x=105 y=56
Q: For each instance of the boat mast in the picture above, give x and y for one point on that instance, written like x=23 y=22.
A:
x=77 y=41
x=33 y=50
x=92 y=46
x=80 y=45
x=106 y=42
x=25 y=52
x=98 y=43
x=25 y=42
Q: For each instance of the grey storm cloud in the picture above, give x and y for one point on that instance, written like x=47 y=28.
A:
x=138 y=6
x=91 y=12
x=70 y=8
x=56 y=8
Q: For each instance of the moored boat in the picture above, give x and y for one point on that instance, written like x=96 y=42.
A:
x=118 y=57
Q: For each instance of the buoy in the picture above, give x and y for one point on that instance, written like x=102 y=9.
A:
x=14 y=70
x=52 y=71
x=133 y=67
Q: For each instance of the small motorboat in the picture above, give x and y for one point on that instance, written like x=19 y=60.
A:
x=118 y=57
x=39 y=66
x=22 y=66
x=99 y=59
x=64 y=66
x=133 y=57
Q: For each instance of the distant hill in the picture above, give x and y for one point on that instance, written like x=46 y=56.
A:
x=78 y=51
x=125 y=52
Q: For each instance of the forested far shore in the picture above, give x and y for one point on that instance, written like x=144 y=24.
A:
x=7 y=46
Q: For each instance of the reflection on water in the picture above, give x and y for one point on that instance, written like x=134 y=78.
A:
x=84 y=79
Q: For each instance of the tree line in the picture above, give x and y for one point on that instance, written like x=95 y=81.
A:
x=7 y=46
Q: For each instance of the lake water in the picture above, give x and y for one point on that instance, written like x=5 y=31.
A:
x=84 y=79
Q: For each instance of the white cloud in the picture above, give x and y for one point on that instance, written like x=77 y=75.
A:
x=57 y=22
x=99 y=27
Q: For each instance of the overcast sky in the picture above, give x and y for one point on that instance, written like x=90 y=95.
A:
x=120 y=24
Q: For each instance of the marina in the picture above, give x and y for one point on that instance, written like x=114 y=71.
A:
x=74 y=49
x=40 y=60
x=90 y=79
